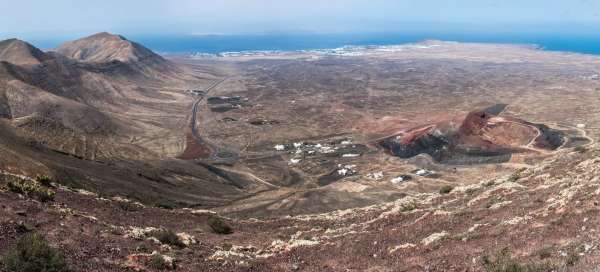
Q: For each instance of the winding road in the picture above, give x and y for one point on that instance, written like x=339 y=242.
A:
x=193 y=124
x=215 y=151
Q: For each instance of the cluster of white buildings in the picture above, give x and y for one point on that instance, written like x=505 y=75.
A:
x=344 y=51
x=300 y=148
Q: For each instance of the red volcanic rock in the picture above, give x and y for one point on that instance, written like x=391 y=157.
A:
x=479 y=136
x=474 y=123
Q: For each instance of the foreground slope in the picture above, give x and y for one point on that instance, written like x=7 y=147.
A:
x=544 y=217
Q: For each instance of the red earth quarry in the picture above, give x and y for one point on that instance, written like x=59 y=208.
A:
x=477 y=137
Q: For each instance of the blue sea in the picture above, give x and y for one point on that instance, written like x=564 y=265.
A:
x=182 y=44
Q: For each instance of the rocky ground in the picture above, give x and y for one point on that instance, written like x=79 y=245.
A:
x=544 y=216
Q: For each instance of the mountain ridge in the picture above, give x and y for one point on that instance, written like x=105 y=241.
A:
x=106 y=47
x=21 y=53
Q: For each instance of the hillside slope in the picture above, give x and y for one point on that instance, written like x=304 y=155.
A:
x=543 y=218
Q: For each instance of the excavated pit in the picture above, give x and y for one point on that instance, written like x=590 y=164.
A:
x=481 y=136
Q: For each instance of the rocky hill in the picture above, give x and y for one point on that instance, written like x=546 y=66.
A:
x=97 y=127
x=21 y=53
x=114 y=53
x=105 y=47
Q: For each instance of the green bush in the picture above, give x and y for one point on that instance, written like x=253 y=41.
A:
x=492 y=201
x=503 y=262
x=168 y=237
x=32 y=253
x=446 y=189
x=31 y=189
x=23 y=227
x=573 y=255
x=44 y=180
x=516 y=175
x=544 y=253
x=129 y=206
x=407 y=207
x=218 y=225
x=158 y=262
x=165 y=204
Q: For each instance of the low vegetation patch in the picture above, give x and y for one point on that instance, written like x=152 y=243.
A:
x=128 y=206
x=544 y=253
x=168 y=237
x=23 y=227
x=218 y=225
x=572 y=254
x=446 y=189
x=516 y=175
x=45 y=181
x=32 y=253
x=164 y=204
x=492 y=201
x=409 y=206
x=31 y=189
x=158 y=262
x=503 y=262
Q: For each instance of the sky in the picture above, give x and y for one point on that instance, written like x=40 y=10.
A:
x=31 y=19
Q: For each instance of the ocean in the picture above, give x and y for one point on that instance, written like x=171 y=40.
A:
x=183 y=44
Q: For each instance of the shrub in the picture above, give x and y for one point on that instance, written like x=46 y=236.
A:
x=32 y=253
x=503 y=262
x=158 y=262
x=227 y=246
x=164 y=204
x=44 y=180
x=489 y=183
x=168 y=237
x=446 y=189
x=31 y=189
x=218 y=225
x=573 y=255
x=516 y=175
x=142 y=248
x=23 y=227
x=128 y=206
x=492 y=201
x=544 y=253
x=407 y=207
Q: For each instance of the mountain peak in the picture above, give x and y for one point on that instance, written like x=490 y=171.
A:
x=106 y=35
x=20 y=52
x=106 y=47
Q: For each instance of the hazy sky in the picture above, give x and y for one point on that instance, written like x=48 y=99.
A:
x=75 y=17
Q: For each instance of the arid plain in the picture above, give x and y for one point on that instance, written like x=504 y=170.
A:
x=358 y=159
x=311 y=99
